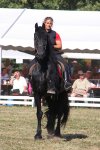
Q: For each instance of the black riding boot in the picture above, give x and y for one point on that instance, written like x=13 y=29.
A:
x=67 y=83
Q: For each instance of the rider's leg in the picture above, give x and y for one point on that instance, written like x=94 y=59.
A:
x=67 y=77
x=67 y=74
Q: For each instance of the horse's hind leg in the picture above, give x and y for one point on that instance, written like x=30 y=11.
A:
x=50 y=123
x=57 y=130
x=39 y=118
x=50 y=114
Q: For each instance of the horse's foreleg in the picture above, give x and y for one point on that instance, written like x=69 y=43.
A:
x=39 y=118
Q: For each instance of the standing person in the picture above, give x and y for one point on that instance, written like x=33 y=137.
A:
x=57 y=45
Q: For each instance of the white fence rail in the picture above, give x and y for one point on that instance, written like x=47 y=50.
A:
x=84 y=101
x=17 y=100
x=27 y=100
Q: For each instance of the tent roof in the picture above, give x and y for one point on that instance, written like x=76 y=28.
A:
x=79 y=30
x=14 y=54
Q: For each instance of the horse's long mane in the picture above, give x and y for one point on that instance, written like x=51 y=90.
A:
x=42 y=43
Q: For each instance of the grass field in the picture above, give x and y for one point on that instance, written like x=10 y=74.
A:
x=18 y=126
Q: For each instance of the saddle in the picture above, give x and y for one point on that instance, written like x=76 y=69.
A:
x=61 y=73
x=31 y=69
x=60 y=69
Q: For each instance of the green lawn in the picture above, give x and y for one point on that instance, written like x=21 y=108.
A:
x=18 y=126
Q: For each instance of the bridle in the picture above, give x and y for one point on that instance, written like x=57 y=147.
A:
x=40 y=44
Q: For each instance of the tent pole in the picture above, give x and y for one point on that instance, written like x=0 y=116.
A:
x=0 y=67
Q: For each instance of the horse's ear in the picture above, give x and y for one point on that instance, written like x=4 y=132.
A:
x=36 y=26
x=43 y=26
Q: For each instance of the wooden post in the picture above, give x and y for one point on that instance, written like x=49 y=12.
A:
x=0 y=67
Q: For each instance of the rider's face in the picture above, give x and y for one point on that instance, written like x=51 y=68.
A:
x=48 y=24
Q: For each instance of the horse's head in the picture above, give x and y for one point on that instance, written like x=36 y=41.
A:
x=40 y=41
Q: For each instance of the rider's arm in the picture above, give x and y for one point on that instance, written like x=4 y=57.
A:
x=58 y=42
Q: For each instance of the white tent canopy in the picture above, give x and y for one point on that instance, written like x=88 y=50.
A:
x=79 y=30
x=14 y=54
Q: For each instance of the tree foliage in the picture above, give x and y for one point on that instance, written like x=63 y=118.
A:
x=52 y=4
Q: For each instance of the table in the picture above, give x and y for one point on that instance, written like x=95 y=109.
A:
x=6 y=88
x=95 y=91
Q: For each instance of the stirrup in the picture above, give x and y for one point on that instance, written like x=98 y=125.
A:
x=51 y=91
x=67 y=85
x=51 y=87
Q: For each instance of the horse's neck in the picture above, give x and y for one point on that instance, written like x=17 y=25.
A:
x=46 y=64
x=50 y=58
x=43 y=64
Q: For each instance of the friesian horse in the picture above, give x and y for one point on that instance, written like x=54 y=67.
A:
x=41 y=72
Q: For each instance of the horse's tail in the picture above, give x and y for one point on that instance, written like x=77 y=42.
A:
x=58 y=107
x=64 y=107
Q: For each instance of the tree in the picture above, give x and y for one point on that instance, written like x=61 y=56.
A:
x=52 y=4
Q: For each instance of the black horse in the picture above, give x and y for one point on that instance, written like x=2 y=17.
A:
x=42 y=71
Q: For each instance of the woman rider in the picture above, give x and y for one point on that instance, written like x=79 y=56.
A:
x=57 y=44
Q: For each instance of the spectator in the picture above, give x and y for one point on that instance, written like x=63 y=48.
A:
x=80 y=86
x=10 y=68
x=88 y=76
x=2 y=65
x=25 y=70
x=19 y=83
x=4 y=74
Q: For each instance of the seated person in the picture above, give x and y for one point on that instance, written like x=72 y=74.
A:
x=88 y=76
x=4 y=74
x=80 y=86
x=19 y=83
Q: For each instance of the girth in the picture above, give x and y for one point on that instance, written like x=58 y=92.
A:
x=60 y=69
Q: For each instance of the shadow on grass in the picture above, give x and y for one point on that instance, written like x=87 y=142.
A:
x=69 y=137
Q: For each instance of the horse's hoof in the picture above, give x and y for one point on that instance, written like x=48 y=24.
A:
x=37 y=137
x=57 y=135
x=50 y=132
x=50 y=136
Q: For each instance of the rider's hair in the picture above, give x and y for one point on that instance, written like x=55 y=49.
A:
x=48 y=18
